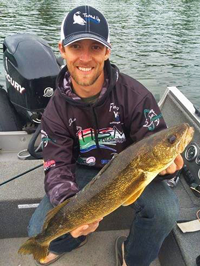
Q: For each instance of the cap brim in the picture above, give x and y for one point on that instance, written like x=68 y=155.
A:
x=80 y=37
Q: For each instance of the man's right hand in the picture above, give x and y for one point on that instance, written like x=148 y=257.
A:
x=85 y=229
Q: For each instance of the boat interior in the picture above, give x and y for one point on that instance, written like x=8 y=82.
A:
x=20 y=197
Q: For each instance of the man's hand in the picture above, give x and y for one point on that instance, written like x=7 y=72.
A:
x=175 y=166
x=85 y=229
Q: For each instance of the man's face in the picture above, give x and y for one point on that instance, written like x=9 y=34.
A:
x=85 y=61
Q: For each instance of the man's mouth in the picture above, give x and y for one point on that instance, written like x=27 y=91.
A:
x=85 y=69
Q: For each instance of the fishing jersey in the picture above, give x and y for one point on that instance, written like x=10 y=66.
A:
x=91 y=134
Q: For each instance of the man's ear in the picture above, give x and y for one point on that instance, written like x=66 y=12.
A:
x=62 y=49
x=108 y=52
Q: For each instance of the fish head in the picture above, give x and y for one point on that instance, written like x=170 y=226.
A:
x=171 y=142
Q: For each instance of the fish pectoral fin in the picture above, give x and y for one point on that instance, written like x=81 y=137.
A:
x=133 y=198
x=53 y=212
x=135 y=195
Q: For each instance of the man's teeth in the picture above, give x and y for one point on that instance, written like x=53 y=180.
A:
x=84 y=68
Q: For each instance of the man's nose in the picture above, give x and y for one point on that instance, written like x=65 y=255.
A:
x=85 y=55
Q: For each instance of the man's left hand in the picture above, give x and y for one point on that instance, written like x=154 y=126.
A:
x=175 y=166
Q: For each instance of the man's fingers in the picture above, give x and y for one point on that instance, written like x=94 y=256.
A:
x=85 y=229
x=176 y=165
x=179 y=162
x=91 y=228
x=78 y=230
x=171 y=169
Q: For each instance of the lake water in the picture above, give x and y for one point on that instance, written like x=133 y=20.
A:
x=154 y=41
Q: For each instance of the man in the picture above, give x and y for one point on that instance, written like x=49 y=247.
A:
x=96 y=112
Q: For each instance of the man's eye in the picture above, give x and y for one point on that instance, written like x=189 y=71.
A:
x=75 y=46
x=96 y=47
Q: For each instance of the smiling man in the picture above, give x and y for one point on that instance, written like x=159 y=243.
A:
x=95 y=113
x=85 y=61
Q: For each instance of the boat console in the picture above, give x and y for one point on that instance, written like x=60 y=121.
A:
x=183 y=248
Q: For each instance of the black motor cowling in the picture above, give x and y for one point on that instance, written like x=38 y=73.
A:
x=31 y=70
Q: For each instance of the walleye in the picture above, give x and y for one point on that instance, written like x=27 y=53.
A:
x=120 y=182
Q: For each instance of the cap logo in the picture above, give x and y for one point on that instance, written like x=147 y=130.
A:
x=78 y=19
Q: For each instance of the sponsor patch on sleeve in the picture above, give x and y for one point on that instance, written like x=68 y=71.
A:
x=46 y=139
x=49 y=164
x=152 y=120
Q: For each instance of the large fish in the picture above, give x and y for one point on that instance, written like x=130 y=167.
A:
x=120 y=182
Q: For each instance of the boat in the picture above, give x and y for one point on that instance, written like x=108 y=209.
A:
x=22 y=177
x=183 y=248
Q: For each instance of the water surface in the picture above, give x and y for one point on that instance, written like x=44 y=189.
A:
x=154 y=41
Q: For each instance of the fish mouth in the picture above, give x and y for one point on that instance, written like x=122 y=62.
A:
x=186 y=138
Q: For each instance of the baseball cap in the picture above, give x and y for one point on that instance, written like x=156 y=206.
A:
x=85 y=22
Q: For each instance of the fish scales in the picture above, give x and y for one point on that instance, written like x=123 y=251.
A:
x=114 y=187
x=120 y=182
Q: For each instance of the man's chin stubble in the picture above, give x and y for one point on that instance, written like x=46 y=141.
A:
x=85 y=84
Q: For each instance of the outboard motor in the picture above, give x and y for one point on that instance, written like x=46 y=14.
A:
x=31 y=71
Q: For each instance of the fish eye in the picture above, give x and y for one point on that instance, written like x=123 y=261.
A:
x=172 y=139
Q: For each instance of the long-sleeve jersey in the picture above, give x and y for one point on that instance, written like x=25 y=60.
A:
x=91 y=133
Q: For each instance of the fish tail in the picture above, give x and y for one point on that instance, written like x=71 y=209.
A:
x=31 y=246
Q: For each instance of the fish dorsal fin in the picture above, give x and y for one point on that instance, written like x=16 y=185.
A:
x=100 y=173
x=108 y=164
x=53 y=212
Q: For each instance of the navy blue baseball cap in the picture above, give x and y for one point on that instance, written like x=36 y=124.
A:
x=85 y=22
